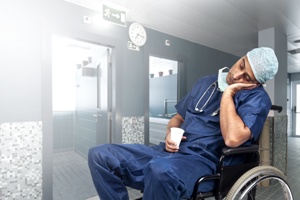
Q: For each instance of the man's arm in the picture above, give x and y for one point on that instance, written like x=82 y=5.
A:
x=175 y=121
x=233 y=129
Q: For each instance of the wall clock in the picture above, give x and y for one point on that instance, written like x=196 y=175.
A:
x=137 y=34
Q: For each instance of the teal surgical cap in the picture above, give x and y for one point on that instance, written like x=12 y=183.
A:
x=263 y=62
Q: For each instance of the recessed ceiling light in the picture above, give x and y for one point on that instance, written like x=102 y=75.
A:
x=297 y=41
x=294 y=51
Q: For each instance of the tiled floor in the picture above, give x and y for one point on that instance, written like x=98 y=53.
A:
x=71 y=179
x=293 y=169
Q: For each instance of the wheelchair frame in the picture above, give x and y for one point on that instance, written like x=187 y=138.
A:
x=245 y=178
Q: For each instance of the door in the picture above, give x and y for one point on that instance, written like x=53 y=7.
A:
x=296 y=108
x=92 y=120
x=81 y=96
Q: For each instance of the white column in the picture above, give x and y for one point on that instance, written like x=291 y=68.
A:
x=276 y=88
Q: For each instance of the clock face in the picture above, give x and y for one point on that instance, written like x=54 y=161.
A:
x=137 y=34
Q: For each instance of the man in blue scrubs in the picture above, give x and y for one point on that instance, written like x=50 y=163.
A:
x=228 y=109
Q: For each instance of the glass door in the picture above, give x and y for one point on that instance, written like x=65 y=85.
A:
x=296 y=108
x=81 y=105
x=91 y=107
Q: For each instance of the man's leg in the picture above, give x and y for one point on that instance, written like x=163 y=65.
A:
x=174 y=177
x=107 y=183
x=113 y=167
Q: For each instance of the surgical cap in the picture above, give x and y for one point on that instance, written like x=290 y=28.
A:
x=263 y=62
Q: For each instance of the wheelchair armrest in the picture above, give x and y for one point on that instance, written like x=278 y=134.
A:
x=240 y=150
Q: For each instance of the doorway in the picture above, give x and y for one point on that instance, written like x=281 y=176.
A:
x=296 y=108
x=80 y=106
x=163 y=95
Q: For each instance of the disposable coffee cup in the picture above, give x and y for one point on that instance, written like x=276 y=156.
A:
x=176 y=135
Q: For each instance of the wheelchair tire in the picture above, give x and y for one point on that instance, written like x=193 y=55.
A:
x=251 y=178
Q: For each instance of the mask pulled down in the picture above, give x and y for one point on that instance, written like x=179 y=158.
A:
x=222 y=78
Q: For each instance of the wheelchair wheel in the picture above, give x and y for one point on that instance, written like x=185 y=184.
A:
x=245 y=187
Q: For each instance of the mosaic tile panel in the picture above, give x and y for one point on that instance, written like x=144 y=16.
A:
x=133 y=130
x=279 y=140
x=273 y=143
x=21 y=160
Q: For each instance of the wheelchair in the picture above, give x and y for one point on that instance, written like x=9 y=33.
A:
x=241 y=181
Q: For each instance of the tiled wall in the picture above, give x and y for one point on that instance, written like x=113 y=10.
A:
x=289 y=122
x=21 y=160
x=63 y=131
x=279 y=143
x=133 y=130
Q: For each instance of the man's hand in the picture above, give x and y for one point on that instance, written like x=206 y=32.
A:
x=170 y=145
x=235 y=87
x=175 y=121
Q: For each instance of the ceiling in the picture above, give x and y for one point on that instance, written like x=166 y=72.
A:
x=228 y=25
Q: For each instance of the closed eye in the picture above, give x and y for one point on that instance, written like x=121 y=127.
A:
x=242 y=67
x=247 y=77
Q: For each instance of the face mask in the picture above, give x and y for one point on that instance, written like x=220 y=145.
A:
x=222 y=78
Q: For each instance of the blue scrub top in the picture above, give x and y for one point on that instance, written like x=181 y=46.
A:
x=202 y=129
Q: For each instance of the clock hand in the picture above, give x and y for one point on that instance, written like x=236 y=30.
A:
x=138 y=35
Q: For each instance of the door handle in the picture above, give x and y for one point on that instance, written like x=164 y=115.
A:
x=97 y=115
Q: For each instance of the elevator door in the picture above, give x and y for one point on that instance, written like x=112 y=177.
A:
x=81 y=96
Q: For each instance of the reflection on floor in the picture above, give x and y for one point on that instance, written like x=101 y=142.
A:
x=72 y=180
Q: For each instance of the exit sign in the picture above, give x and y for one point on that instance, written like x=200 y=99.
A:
x=114 y=15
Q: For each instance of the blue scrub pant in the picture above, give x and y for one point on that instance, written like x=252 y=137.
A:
x=158 y=173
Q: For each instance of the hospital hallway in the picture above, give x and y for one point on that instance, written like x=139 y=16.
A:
x=72 y=180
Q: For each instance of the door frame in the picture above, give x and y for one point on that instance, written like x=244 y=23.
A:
x=46 y=87
x=181 y=83
x=293 y=104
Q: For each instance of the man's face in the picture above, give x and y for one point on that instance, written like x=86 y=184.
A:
x=241 y=72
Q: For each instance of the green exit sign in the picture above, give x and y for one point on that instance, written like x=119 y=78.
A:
x=114 y=15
